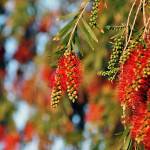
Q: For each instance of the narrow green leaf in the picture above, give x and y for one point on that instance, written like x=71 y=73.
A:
x=127 y=144
x=60 y=51
x=114 y=28
x=86 y=37
x=128 y=141
x=68 y=16
x=65 y=39
x=130 y=145
x=77 y=41
x=90 y=31
x=65 y=29
x=75 y=48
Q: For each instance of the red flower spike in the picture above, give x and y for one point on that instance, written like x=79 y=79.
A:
x=29 y=131
x=57 y=92
x=134 y=87
x=73 y=72
x=2 y=132
x=141 y=129
x=12 y=141
x=132 y=77
x=67 y=78
x=94 y=113
x=146 y=139
x=59 y=83
x=45 y=23
x=45 y=73
x=24 y=52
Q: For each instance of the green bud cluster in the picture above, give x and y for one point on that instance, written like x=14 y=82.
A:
x=113 y=67
x=109 y=73
x=56 y=95
x=94 y=13
x=128 y=51
x=116 y=53
x=114 y=28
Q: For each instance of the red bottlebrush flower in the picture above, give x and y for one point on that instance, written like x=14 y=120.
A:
x=94 y=112
x=132 y=81
x=45 y=73
x=73 y=72
x=146 y=138
x=137 y=120
x=94 y=86
x=24 y=52
x=27 y=90
x=67 y=77
x=29 y=131
x=12 y=141
x=58 y=83
x=45 y=23
x=57 y=92
x=2 y=132
x=134 y=87
x=140 y=130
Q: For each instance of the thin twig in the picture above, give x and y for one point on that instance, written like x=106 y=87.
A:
x=146 y=27
x=144 y=15
x=65 y=112
x=76 y=24
x=138 y=9
x=128 y=20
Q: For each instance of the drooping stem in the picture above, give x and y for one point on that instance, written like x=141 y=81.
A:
x=146 y=26
x=138 y=9
x=128 y=20
x=65 y=112
x=77 y=22
x=144 y=15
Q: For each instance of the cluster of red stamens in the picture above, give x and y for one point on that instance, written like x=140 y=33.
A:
x=134 y=87
x=67 y=78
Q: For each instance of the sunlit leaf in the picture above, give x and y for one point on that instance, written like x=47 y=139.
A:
x=89 y=30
